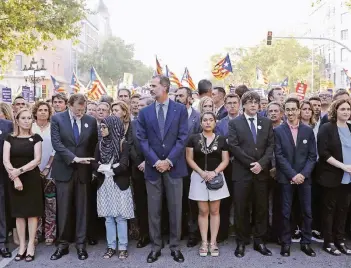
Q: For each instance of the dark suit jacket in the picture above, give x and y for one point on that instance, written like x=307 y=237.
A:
x=136 y=154
x=122 y=173
x=64 y=144
x=222 y=127
x=194 y=123
x=221 y=113
x=290 y=159
x=329 y=145
x=171 y=146
x=245 y=151
x=324 y=120
x=6 y=127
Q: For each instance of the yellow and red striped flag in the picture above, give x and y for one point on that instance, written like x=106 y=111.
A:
x=158 y=67
x=222 y=68
x=173 y=78
x=187 y=78
x=98 y=87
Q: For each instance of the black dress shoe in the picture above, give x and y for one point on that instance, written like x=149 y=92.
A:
x=343 y=248
x=177 y=255
x=240 y=250
x=143 y=242
x=59 y=253
x=82 y=254
x=192 y=242
x=5 y=253
x=285 y=251
x=261 y=248
x=92 y=242
x=306 y=248
x=153 y=256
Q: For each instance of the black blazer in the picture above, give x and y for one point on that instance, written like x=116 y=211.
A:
x=122 y=173
x=6 y=128
x=329 y=145
x=221 y=113
x=244 y=149
x=136 y=154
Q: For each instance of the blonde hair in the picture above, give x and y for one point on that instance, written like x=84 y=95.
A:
x=16 y=128
x=126 y=118
x=6 y=109
x=203 y=100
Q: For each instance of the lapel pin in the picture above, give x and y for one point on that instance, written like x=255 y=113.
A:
x=30 y=139
x=304 y=141
x=86 y=125
x=0 y=132
x=259 y=127
x=215 y=148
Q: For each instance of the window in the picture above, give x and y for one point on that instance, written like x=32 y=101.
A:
x=344 y=34
x=343 y=17
x=44 y=93
x=343 y=78
x=18 y=63
x=334 y=78
x=344 y=55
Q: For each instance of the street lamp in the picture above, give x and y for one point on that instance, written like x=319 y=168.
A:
x=34 y=74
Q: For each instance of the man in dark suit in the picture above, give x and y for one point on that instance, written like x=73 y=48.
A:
x=218 y=95
x=74 y=137
x=162 y=131
x=295 y=153
x=190 y=208
x=251 y=141
x=6 y=128
x=138 y=168
x=232 y=105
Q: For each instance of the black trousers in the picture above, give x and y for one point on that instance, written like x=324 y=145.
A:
x=226 y=205
x=93 y=229
x=72 y=207
x=275 y=219
x=190 y=211
x=140 y=199
x=336 y=203
x=3 y=215
x=246 y=192
x=317 y=200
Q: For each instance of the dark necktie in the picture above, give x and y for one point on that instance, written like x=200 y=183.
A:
x=161 y=119
x=253 y=129
x=76 y=131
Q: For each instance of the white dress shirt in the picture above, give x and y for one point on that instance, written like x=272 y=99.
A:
x=79 y=122
x=249 y=122
x=190 y=110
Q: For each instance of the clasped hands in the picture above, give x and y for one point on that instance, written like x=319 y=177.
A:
x=256 y=168
x=207 y=175
x=83 y=160
x=162 y=166
x=13 y=175
x=298 y=179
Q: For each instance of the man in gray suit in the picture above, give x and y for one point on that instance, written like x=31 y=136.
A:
x=74 y=137
x=190 y=208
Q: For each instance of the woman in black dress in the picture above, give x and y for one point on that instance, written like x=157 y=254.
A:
x=22 y=155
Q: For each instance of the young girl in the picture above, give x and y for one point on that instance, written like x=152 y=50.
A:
x=114 y=196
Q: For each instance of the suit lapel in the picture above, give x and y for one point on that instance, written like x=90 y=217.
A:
x=191 y=120
x=83 y=129
x=248 y=129
x=170 y=115
x=299 y=135
x=68 y=124
x=154 y=121
x=288 y=133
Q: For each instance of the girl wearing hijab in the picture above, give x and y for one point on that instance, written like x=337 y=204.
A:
x=114 y=196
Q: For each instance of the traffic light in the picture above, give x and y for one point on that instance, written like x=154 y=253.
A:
x=269 y=38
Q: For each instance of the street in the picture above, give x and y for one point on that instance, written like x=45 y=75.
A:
x=137 y=258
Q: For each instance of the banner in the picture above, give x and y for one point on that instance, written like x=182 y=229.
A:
x=31 y=94
x=25 y=92
x=301 y=89
x=127 y=79
x=6 y=95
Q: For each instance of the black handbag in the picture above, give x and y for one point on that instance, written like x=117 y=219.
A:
x=217 y=182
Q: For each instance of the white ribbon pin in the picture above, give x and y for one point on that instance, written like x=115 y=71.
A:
x=86 y=125
x=0 y=132
x=30 y=139
x=304 y=141
x=259 y=127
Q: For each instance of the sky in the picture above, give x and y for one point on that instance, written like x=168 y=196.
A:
x=185 y=33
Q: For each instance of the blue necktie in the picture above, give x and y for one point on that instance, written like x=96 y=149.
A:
x=253 y=129
x=161 y=119
x=75 y=131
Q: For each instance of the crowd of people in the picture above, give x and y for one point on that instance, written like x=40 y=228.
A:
x=185 y=163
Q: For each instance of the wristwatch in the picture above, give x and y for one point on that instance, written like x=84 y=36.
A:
x=215 y=172
x=21 y=170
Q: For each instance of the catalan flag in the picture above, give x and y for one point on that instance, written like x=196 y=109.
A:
x=97 y=87
x=187 y=78
x=57 y=87
x=158 y=67
x=76 y=85
x=222 y=68
x=172 y=77
x=260 y=77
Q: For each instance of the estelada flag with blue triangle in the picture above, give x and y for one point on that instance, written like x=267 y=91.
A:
x=222 y=68
x=57 y=87
x=285 y=84
x=97 y=87
x=172 y=77
x=76 y=85
x=187 y=78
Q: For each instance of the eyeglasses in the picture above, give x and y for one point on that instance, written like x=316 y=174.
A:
x=291 y=110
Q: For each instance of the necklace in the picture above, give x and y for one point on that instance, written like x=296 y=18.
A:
x=43 y=126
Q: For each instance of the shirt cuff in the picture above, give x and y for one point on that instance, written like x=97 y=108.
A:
x=170 y=162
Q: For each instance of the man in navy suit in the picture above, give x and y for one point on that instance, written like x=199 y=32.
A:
x=218 y=95
x=6 y=128
x=74 y=138
x=295 y=153
x=190 y=208
x=162 y=130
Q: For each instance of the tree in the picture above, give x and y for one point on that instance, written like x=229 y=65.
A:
x=27 y=25
x=285 y=58
x=316 y=2
x=112 y=60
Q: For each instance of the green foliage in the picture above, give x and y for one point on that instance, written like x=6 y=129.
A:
x=113 y=59
x=26 y=25
x=285 y=58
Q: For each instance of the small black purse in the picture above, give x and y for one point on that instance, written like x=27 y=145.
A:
x=217 y=182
